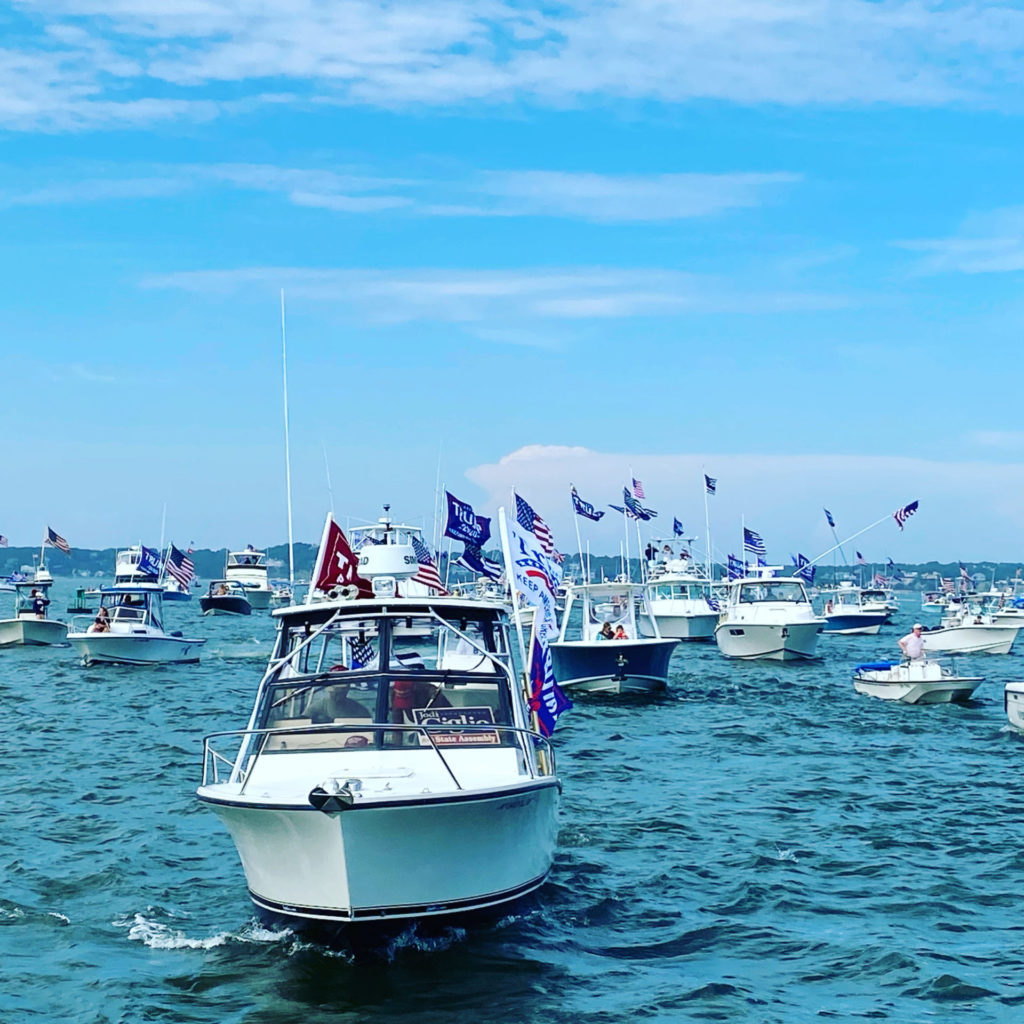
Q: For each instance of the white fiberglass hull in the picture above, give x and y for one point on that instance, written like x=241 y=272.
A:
x=970 y=639
x=791 y=641
x=1013 y=704
x=31 y=632
x=696 y=626
x=410 y=857
x=915 y=683
x=128 y=649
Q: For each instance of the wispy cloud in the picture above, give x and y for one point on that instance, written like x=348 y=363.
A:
x=987 y=243
x=1001 y=440
x=500 y=298
x=582 y=196
x=74 y=64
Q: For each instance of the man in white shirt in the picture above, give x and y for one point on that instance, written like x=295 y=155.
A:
x=912 y=645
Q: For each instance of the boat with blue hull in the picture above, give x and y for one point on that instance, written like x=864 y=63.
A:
x=608 y=655
x=225 y=597
x=846 y=612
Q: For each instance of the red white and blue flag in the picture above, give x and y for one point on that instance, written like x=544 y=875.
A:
x=547 y=700
x=529 y=520
x=901 y=515
x=638 y=489
x=55 y=540
x=180 y=567
x=427 y=573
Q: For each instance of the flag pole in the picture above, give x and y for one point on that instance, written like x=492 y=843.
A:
x=288 y=457
x=327 y=470
x=506 y=551
x=853 y=536
x=579 y=539
x=707 y=526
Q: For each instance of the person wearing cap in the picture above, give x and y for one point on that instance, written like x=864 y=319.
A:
x=912 y=645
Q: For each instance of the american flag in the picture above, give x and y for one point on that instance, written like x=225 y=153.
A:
x=191 y=547
x=901 y=515
x=55 y=540
x=529 y=520
x=638 y=489
x=362 y=652
x=427 y=572
x=180 y=567
x=860 y=559
x=948 y=586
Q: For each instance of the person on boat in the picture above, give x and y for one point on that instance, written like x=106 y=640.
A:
x=331 y=702
x=221 y=591
x=605 y=632
x=101 y=624
x=828 y=607
x=409 y=694
x=620 y=634
x=103 y=614
x=650 y=552
x=666 y=553
x=39 y=603
x=912 y=645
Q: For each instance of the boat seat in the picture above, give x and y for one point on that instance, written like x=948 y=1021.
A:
x=317 y=740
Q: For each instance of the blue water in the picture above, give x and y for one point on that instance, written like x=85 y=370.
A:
x=761 y=844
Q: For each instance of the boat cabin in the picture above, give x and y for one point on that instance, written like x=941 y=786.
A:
x=613 y=605
x=768 y=591
x=126 y=567
x=384 y=675
x=246 y=559
x=131 y=608
x=31 y=599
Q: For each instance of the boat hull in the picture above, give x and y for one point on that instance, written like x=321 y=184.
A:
x=259 y=600
x=970 y=640
x=612 y=666
x=855 y=623
x=25 y=632
x=177 y=595
x=769 y=641
x=1013 y=704
x=225 y=606
x=699 y=626
x=916 y=683
x=423 y=857
x=125 y=649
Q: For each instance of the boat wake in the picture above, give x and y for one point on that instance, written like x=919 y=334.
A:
x=157 y=934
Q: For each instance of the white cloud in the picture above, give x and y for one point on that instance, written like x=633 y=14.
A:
x=90 y=63
x=500 y=298
x=968 y=510
x=987 y=243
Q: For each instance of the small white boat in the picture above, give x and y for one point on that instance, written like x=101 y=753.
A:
x=30 y=627
x=919 y=681
x=680 y=601
x=846 y=612
x=387 y=777
x=133 y=633
x=768 y=617
x=248 y=569
x=592 y=663
x=1013 y=704
x=970 y=632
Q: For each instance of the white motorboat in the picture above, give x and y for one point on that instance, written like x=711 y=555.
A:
x=594 y=662
x=680 y=602
x=387 y=775
x=127 y=570
x=401 y=560
x=918 y=681
x=966 y=631
x=248 y=569
x=877 y=599
x=30 y=627
x=133 y=632
x=1013 y=704
x=768 y=616
x=847 y=614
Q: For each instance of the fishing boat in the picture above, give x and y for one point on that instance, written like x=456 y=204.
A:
x=30 y=627
x=846 y=614
x=967 y=631
x=1013 y=704
x=594 y=660
x=248 y=569
x=918 y=681
x=131 y=632
x=680 y=602
x=768 y=616
x=225 y=597
x=386 y=776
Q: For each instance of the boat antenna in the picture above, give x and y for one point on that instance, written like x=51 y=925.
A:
x=327 y=467
x=287 y=450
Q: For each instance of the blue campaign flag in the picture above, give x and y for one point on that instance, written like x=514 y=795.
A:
x=831 y=521
x=584 y=508
x=710 y=483
x=634 y=509
x=149 y=563
x=677 y=527
x=735 y=568
x=546 y=697
x=462 y=523
x=753 y=542
x=804 y=569
x=618 y=508
x=473 y=559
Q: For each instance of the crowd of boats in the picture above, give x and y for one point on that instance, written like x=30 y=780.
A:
x=391 y=768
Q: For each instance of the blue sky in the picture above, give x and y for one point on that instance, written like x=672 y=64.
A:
x=548 y=241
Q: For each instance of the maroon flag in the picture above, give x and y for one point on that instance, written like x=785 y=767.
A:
x=336 y=564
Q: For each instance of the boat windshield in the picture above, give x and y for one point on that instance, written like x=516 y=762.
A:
x=404 y=670
x=246 y=558
x=849 y=598
x=676 y=591
x=131 y=608
x=769 y=590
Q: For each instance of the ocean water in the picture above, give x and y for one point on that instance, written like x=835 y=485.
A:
x=759 y=844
